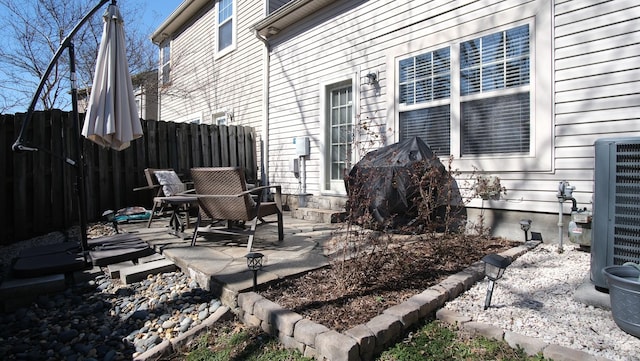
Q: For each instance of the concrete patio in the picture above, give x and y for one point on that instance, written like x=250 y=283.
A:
x=218 y=263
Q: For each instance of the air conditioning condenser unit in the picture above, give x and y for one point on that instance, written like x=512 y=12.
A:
x=616 y=205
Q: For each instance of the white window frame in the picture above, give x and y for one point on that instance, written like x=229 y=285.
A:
x=234 y=21
x=222 y=117
x=538 y=16
x=165 y=63
x=325 y=86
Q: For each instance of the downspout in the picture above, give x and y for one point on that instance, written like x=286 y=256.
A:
x=264 y=153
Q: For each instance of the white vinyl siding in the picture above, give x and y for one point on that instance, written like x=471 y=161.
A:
x=198 y=82
x=583 y=85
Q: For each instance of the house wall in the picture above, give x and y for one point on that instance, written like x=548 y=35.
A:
x=587 y=62
x=204 y=84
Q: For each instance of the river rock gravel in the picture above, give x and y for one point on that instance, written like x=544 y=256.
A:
x=535 y=298
x=102 y=319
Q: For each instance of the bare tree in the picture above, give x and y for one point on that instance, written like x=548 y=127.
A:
x=33 y=31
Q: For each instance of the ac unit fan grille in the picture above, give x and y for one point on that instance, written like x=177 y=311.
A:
x=626 y=240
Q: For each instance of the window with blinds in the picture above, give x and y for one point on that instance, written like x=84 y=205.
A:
x=492 y=68
x=425 y=81
x=492 y=104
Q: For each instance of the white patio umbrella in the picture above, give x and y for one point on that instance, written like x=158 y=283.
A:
x=112 y=116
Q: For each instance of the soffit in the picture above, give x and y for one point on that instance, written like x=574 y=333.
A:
x=289 y=14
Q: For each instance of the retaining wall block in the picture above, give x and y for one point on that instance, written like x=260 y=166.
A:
x=311 y=352
x=386 y=329
x=306 y=331
x=337 y=347
x=285 y=321
x=246 y=301
x=365 y=338
x=454 y=285
x=476 y=270
x=530 y=345
x=407 y=312
x=290 y=342
x=268 y=328
x=452 y=317
x=266 y=310
x=484 y=329
x=442 y=294
x=251 y=320
x=428 y=301
x=561 y=353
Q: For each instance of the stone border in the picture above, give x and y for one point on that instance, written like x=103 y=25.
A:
x=530 y=345
x=168 y=347
x=364 y=341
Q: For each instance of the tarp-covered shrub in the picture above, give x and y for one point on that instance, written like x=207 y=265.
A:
x=405 y=187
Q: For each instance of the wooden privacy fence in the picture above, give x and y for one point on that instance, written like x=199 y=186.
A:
x=37 y=189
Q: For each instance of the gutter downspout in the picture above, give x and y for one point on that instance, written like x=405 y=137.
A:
x=264 y=156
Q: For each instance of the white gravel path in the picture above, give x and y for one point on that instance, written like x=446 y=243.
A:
x=535 y=298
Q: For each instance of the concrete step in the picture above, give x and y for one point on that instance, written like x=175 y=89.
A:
x=139 y=272
x=113 y=270
x=19 y=292
x=318 y=215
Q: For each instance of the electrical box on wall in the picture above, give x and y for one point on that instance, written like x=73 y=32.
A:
x=302 y=146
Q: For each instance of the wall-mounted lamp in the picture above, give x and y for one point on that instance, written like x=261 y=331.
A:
x=254 y=263
x=525 y=225
x=372 y=78
x=494 y=266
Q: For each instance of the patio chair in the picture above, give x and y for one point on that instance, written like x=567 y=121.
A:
x=223 y=195
x=164 y=182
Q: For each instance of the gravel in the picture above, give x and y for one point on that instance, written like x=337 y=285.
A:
x=102 y=319
x=535 y=298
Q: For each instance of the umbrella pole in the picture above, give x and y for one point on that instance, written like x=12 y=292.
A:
x=81 y=192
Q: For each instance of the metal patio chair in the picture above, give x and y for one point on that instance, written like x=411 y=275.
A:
x=223 y=195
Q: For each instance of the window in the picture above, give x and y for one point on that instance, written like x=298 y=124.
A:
x=340 y=131
x=425 y=80
x=492 y=107
x=226 y=26
x=165 y=54
x=495 y=120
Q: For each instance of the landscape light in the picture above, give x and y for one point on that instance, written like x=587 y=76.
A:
x=525 y=225
x=494 y=266
x=254 y=263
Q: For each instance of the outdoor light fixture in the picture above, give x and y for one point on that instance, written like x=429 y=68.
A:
x=494 y=266
x=372 y=78
x=254 y=262
x=525 y=225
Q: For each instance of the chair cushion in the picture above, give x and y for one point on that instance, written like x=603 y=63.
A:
x=170 y=182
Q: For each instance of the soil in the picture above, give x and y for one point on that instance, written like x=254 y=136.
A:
x=354 y=289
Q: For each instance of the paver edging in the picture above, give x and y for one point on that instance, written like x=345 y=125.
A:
x=396 y=319
x=370 y=338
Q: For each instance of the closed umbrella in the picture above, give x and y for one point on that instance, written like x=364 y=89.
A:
x=112 y=116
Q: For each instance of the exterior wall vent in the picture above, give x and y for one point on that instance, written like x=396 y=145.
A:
x=616 y=205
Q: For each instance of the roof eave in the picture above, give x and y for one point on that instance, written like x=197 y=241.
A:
x=185 y=11
x=290 y=13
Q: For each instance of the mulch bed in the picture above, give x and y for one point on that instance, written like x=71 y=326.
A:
x=352 y=291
